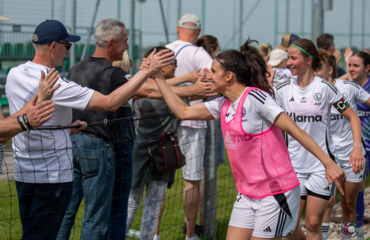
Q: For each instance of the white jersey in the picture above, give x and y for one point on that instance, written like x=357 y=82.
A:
x=258 y=114
x=44 y=156
x=282 y=75
x=340 y=127
x=190 y=58
x=309 y=108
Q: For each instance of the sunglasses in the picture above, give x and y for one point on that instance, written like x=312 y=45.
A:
x=68 y=45
x=174 y=62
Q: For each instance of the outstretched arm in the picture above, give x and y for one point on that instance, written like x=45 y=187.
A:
x=178 y=107
x=122 y=94
x=333 y=172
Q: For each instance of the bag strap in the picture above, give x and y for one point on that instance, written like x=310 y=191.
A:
x=183 y=48
x=146 y=137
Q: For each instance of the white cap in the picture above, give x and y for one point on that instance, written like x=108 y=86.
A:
x=276 y=56
x=190 y=18
x=4 y=19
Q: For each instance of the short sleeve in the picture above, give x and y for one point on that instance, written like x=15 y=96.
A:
x=118 y=78
x=277 y=96
x=71 y=94
x=361 y=95
x=202 y=59
x=214 y=107
x=266 y=108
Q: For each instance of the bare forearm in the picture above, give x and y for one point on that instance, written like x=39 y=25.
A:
x=9 y=127
x=356 y=131
x=151 y=91
x=176 y=105
x=177 y=80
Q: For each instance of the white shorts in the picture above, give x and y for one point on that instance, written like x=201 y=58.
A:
x=269 y=217
x=193 y=145
x=351 y=176
x=316 y=182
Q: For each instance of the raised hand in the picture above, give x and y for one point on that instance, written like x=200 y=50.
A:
x=46 y=85
x=347 y=54
x=208 y=73
x=337 y=56
x=193 y=76
x=202 y=88
x=160 y=59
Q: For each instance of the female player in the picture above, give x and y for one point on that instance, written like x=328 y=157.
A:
x=358 y=66
x=340 y=131
x=267 y=204
x=307 y=100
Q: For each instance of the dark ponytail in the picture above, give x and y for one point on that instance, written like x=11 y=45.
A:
x=248 y=65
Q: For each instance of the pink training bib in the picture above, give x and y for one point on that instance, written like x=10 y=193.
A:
x=260 y=162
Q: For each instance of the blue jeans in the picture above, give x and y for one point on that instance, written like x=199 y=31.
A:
x=42 y=208
x=93 y=161
x=121 y=191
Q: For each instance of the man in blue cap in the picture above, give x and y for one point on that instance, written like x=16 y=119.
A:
x=43 y=160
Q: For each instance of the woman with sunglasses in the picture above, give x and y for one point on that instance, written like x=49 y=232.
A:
x=268 y=201
x=308 y=100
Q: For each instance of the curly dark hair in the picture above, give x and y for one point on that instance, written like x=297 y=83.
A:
x=248 y=65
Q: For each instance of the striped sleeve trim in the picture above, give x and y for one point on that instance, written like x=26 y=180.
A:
x=352 y=83
x=281 y=85
x=258 y=97
x=331 y=86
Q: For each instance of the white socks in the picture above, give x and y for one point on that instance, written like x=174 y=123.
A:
x=192 y=238
x=157 y=237
x=325 y=230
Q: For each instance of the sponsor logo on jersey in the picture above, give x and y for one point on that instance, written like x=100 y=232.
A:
x=334 y=117
x=299 y=118
x=303 y=100
x=317 y=96
x=363 y=113
x=227 y=114
x=231 y=138
x=268 y=229
x=327 y=188
x=244 y=112
x=229 y=142
x=292 y=99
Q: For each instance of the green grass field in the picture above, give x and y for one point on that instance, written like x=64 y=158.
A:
x=172 y=220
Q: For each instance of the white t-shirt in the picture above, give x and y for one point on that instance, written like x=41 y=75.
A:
x=258 y=114
x=190 y=58
x=282 y=75
x=309 y=108
x=340 y=127
x=44 y=156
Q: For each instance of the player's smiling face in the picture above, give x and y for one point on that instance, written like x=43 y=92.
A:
x=356 y=68
x=296 y=62
x=218 y=77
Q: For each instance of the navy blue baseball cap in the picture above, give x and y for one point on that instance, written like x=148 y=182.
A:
x=52 y=31
x=287 y=40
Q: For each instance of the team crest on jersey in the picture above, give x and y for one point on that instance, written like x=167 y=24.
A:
x=345 y=95
x=244 y=112
x=229 y=142
x=317 y=97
